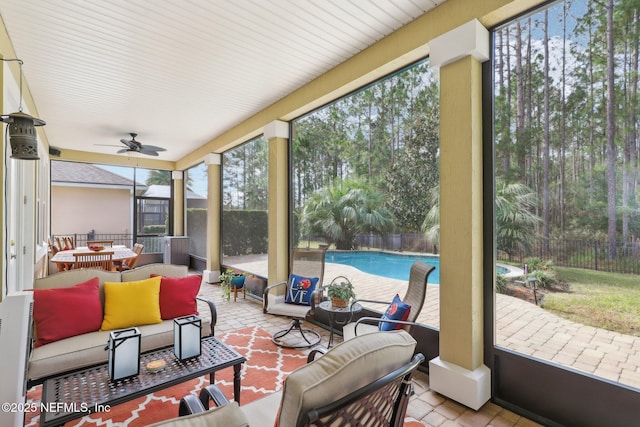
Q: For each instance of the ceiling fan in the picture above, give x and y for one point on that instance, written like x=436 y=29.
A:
x=137 y=147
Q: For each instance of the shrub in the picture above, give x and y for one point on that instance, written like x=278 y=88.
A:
x=536 y=263
x=155 y=229
x=546 y=278
x=501 y=283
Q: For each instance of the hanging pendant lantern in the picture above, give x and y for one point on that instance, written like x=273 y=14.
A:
x=22 y=132
x=22 y=135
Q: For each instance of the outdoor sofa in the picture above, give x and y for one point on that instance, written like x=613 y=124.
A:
x=88 y=348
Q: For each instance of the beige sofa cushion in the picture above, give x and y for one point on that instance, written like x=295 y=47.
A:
x=347 y=367
x=260 y=412
x=229 y=415
x=263 y=411
x=88 y=349
x=349 y=330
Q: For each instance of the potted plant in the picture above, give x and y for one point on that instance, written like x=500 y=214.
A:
x=340 y=290
x=230 y=280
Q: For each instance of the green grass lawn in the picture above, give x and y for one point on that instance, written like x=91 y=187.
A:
x=605 y=300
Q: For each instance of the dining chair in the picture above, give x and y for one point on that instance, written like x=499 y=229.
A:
x=53 y=249
x=130 y=263
x=94 y=261
x=65 y=243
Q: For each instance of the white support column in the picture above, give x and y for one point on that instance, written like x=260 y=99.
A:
x=459 y=372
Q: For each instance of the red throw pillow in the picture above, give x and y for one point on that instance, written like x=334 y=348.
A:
x=65 y=312
x=178 y=296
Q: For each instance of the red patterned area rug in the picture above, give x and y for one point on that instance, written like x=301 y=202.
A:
x=266 y=367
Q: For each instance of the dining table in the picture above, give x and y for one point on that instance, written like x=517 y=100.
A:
x=65 y=259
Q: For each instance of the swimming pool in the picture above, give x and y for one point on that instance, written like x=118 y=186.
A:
x=394 y=266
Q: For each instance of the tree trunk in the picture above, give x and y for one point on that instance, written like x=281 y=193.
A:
x=547 y=142
x=520 y=128
x=611 y=148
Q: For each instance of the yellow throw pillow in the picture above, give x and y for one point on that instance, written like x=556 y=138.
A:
x=128 y=304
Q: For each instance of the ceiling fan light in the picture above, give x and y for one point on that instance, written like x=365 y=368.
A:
x=22 y=135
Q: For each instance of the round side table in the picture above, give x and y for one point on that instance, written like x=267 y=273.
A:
x=338 y=316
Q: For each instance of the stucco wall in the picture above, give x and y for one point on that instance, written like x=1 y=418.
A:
x=77 y=210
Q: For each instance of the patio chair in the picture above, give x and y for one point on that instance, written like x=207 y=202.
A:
x=130 y=264
x=65 y=243
x=95 y=261
x=365 y=381
x=415 y=296
x=297 y=297
x=53 y=249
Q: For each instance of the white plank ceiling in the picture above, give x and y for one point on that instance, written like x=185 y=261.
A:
x=181 y=72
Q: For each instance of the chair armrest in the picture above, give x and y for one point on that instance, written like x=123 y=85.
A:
x=316 y=299
x=373 y=320
x=265 y=295
x=212 y=309
x=189 y=405
x=372 y=301
x=212 y=392
x=313 y=355
x=229 y=415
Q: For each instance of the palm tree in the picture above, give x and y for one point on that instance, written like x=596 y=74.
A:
x=158 y=177
x=343 y=209
x=431 y=223
x=516 y=221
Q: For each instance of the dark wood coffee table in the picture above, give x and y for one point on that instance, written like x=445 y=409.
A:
x=75 y=394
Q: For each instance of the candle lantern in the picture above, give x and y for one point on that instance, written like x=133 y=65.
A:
x=124 y=353
x=186 y=335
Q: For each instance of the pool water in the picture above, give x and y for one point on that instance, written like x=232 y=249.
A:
x=394 y=266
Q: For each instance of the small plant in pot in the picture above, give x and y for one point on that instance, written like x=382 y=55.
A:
x=340 y=290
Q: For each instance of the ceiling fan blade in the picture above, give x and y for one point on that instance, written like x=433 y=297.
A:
x=153 y=147
x=144 y=150
x=137 y=147
x=128 y=143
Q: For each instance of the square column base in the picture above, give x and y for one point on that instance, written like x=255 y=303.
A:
x=471 y=388
x=211 y=276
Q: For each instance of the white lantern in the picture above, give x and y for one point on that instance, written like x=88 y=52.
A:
x=186 y=337
x=124 y=353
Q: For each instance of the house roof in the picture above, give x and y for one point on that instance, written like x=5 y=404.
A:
x=84 y=173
